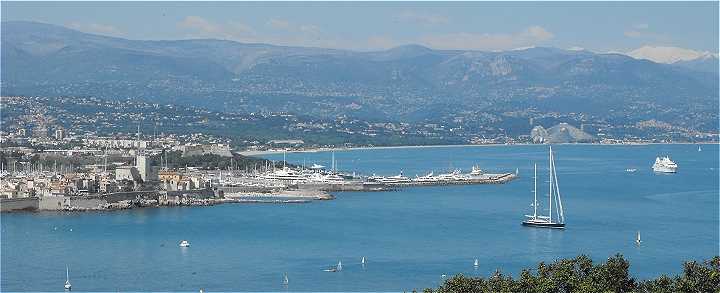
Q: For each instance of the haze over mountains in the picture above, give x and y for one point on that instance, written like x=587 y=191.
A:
x=407 y=83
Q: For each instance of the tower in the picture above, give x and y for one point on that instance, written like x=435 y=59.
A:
x=143 y=166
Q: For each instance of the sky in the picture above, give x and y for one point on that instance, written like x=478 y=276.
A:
x=363 y=26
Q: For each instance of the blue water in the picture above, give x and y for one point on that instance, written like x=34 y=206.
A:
x=410 y=237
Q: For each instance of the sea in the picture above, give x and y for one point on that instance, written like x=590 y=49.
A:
x=412 y=238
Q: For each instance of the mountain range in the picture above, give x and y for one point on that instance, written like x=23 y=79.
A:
x=410 y=83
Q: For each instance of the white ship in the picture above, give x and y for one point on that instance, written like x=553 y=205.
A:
x=664 y=165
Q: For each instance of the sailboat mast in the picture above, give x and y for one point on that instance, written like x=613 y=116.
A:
x=535 y=196
x=551 y=184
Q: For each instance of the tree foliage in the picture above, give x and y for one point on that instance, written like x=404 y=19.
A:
x=581 y=275
x=175 y=159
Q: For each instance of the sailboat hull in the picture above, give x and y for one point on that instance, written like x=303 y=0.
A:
x=543 y=224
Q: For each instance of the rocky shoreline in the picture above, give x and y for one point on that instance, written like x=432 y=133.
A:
x=156 y=200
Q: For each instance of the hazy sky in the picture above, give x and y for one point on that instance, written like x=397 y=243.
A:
x=597 y=26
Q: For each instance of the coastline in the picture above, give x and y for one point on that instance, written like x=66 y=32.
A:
x=343 y=149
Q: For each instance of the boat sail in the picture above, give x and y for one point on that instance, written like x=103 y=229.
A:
x=67 y=279
x=285 y=280
x=540 y=221
x=637 y=240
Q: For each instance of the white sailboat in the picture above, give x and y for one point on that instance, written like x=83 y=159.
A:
x=476 y=263
x=335 y=269
x=67 y=279
x=285 y=279
x=637 y=240
x=362 y=261
x=536 y=220
x=699 y=149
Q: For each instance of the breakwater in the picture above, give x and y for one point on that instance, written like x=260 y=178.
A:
x=298 y=193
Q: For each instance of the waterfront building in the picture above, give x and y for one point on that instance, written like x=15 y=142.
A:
x=129 y=173
x=206 y=149
x=115 y=143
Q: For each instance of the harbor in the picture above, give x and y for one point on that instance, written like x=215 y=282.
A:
x=142 y=185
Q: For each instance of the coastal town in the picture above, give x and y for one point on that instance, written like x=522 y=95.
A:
x=107 y=173
x=134 y=154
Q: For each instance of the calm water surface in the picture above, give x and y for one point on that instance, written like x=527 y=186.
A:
x=409 y=237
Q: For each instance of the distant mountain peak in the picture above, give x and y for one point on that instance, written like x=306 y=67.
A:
x=410 y=49
x=668 y=55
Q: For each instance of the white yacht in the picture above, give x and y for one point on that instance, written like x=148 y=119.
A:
x=184 y=243
x=476 y=171
x=664 y=165
x=454 y=175
x=286 y=174
x=400 y=178
x=425 y=179
x=391 y=179
x=317 y=167
x=536 y=220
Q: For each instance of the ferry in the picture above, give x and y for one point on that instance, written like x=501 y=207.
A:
x=664 y=165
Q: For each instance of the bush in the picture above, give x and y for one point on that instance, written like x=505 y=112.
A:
x=581 y=275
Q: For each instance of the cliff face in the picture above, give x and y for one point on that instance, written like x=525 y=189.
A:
x=561 y=133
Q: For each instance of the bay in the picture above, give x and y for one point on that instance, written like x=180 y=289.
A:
x=410 y=237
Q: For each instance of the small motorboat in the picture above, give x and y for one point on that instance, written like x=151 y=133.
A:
x=184 y=243
x=630 y=170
